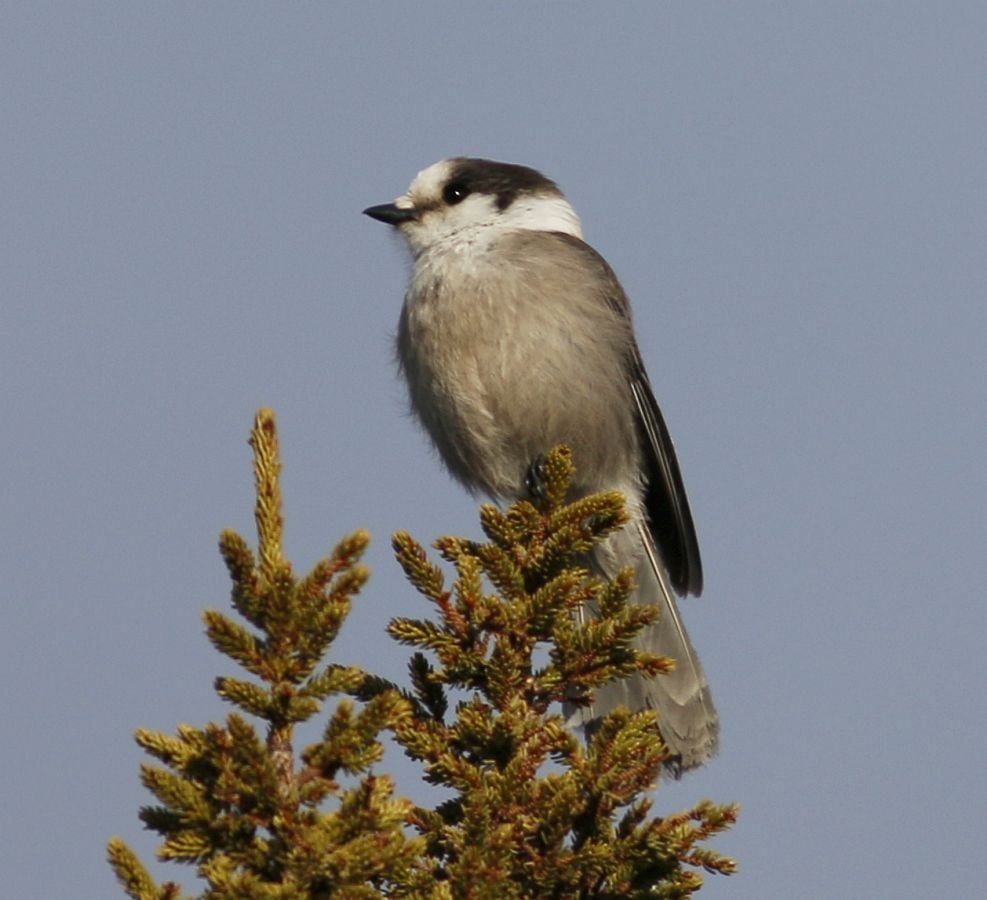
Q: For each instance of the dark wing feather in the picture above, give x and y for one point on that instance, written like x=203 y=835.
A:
x=665 y=499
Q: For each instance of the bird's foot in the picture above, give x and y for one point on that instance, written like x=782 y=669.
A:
x=534 y=479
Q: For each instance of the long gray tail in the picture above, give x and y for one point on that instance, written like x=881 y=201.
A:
x=686 y=715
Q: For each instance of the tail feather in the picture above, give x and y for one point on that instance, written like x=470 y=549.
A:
x=686 y=715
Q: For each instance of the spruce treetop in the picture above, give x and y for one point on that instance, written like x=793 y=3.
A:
x=532 y=808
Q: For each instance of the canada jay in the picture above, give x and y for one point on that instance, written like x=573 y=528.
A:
x=516 y=336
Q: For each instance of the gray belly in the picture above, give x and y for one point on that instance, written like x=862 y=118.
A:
x=497 y=379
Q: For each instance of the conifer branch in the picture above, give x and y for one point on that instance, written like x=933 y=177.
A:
x=267 y=512
x=508 y=633
x=257 y=820
x=535 y=810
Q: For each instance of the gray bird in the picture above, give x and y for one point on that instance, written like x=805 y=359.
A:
x=516 y=336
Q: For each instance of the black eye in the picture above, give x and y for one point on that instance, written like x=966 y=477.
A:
x=455 y=192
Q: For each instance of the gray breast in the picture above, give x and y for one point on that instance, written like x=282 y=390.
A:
x=511 y=351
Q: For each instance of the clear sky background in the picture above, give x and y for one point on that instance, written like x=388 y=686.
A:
x=794 y=197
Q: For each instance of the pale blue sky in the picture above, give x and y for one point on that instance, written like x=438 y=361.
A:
x=794 y=196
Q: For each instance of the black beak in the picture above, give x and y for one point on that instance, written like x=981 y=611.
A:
x=391 y=214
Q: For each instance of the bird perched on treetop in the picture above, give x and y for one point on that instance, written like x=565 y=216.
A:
x=516 y=336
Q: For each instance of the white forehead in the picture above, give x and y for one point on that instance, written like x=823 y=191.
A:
x=427 y=184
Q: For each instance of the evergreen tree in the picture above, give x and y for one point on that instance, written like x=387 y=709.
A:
x=533 y=810
x=241 y=806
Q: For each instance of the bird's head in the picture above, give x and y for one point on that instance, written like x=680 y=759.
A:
x=463 y=201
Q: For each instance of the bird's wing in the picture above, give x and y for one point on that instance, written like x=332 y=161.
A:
x=665 y=499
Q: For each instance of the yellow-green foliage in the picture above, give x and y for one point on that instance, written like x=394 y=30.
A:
x=533 y=810
x=258 y=821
